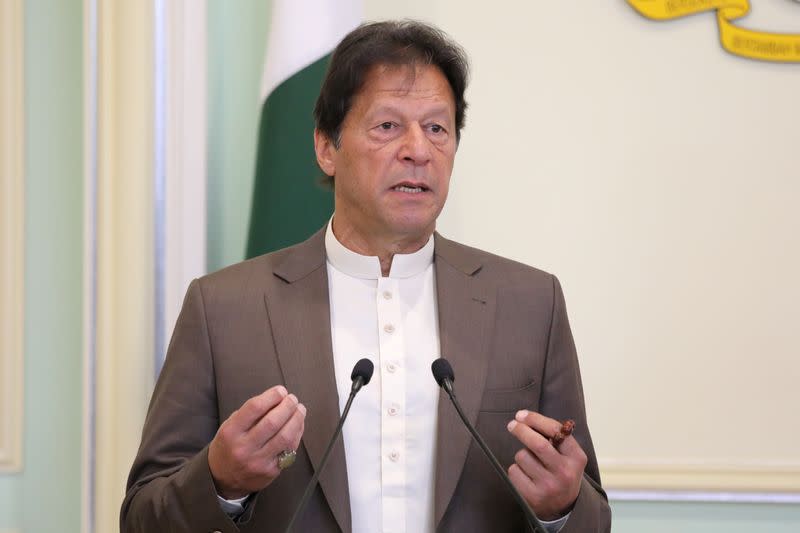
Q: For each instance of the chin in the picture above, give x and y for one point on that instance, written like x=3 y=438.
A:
x=412 y=228
x=411 y=222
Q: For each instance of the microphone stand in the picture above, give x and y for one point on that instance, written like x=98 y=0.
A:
x=357 y=383
x=533 y=521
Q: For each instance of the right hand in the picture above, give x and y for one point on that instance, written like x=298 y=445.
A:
x=243 y=456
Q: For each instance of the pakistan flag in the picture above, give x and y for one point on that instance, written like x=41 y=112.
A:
x=289 y=203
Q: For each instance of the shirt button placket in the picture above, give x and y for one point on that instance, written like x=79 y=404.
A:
x=392 y=397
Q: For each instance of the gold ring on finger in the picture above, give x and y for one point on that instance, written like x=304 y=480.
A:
x=286 y=459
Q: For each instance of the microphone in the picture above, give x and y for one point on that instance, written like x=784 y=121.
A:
x=362 y=373
x=443 y=374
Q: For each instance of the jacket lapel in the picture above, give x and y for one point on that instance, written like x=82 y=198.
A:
x=466 y=307
x=299 y=312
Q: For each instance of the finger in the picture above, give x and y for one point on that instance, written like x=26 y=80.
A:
x=288 y=438
x=299 y=433
x=272 y=422
x=545 y=425
x=256 y=407
x=530 y=464
x=557 y=432
x=537 y=443
x=525 y=485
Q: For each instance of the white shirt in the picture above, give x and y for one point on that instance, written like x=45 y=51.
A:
x=390 y=434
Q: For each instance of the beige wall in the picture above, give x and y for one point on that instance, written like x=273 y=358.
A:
x=658 y=177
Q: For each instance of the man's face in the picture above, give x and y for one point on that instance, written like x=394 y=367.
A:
x=398 y=142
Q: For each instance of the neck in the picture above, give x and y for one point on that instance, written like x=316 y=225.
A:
x=383 y=246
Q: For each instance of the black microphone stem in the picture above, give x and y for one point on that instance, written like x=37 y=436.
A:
x=313 y=483
x=533 y=521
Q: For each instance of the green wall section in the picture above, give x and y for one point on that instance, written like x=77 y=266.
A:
x=664 y=517
x=237 y=33
x=45 y=496
x=54 y=264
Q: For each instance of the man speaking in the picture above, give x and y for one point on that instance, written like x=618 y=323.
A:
x=258 y=369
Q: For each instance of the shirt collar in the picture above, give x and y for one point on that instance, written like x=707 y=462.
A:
x=369 y=266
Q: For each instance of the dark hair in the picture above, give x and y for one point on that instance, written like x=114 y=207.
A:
x=405 y=42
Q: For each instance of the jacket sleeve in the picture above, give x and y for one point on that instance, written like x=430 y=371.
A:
x=562 y=398
x=170 y=487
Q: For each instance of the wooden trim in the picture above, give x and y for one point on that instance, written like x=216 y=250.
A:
x=12 y=244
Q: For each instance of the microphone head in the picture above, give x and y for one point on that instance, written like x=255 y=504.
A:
x=363 y=369
x=442 y=370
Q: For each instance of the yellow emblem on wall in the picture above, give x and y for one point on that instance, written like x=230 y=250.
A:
x=764 y=46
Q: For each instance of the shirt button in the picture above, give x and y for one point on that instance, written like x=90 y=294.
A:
x=388 y=328
x=387 y=295
x=392 y=411
x=391 y=367
x=394 y=456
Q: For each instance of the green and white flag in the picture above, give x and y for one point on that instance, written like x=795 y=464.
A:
x=289 y=203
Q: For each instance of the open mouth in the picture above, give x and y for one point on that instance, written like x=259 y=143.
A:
x=410 y=188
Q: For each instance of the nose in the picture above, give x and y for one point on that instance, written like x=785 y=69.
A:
x=416 y=146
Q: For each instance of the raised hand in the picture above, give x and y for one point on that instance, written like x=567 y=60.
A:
x=243 y=456
x=548 y=476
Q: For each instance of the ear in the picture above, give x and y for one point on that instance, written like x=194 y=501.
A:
x=325 y=150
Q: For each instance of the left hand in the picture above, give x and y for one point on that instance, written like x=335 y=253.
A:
x=548 y=478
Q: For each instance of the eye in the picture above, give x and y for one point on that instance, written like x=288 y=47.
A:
x=436 y=128
x=386 y=126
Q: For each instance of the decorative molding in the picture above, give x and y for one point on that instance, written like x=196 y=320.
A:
x=702 y=496
x=701 y=476
x=124 y=247
x=12 y=244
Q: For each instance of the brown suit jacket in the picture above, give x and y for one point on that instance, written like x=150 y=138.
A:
x=503 y=326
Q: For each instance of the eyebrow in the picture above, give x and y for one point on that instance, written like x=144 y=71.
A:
x=434 y=110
